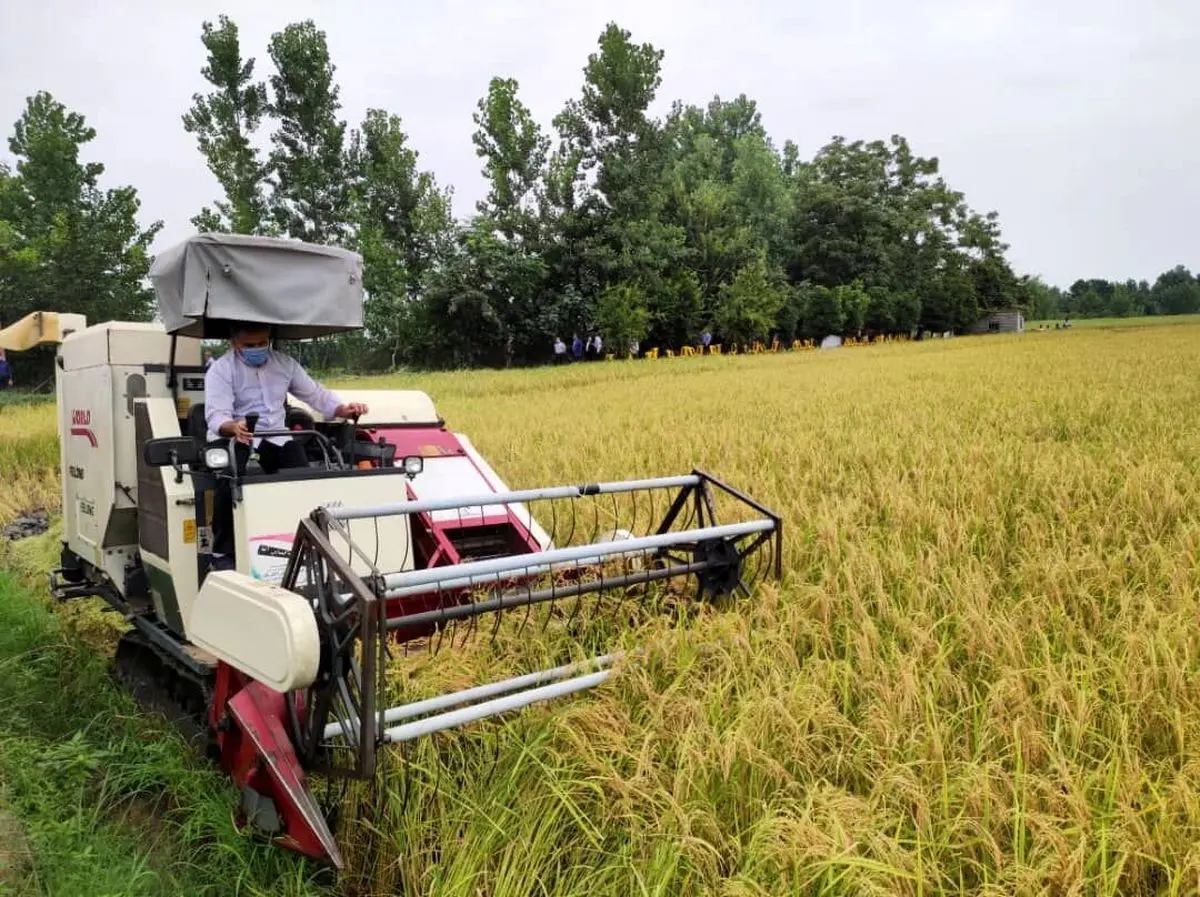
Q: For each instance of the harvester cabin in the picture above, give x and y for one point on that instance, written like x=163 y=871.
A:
x=1004 y=320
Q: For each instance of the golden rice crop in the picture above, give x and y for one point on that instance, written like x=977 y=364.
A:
x=979 y=675
x=28 y=459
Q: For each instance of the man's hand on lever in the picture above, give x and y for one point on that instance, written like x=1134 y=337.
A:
x=353 y=410
x=236 y=429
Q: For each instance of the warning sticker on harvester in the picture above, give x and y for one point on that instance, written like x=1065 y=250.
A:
x=269 y=556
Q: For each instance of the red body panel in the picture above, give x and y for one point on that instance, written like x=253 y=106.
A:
x=250 y=720
x=434 y=539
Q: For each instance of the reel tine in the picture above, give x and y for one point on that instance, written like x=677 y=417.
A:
x=499 y=617
x=595 y=536
x=691 y=516
x=653 y=507
x=529 y=606
x=546 y=615
x=471 y=621
x=375 y=557
x=766 y=555
x=553 y=521
x=627 y=564
x=600 y=591
x=441 y=628
x=570 y=540
x=407 y=547
x=552 y=606
x=577 y=602
x=453 y=632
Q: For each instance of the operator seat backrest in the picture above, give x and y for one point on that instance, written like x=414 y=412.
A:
x=197 y=426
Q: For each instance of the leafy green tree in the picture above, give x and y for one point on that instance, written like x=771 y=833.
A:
x=506 y=240
x=310 y=199
x=612 y=230
x=69 y=245
x=622 y=317
x=514 y=150
x=750 y=304
x=402 y=226
x=474 y=323
x=648 y=229
x=821 y=310
x=1176 y=292
x=224 y=122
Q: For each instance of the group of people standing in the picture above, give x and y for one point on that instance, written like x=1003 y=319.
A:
x=591 y=350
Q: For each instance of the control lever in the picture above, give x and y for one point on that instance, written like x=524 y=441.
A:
x=251 y=423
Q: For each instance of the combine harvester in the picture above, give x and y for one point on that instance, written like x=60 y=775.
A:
x=398 y=532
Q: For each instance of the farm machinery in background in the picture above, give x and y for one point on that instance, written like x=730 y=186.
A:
x=398 y=532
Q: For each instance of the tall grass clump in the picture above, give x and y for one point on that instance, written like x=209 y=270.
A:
x=977 y=676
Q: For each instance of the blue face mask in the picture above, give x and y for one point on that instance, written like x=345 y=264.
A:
x=256 y=357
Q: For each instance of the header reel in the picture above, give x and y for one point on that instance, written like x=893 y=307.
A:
x=482 y=562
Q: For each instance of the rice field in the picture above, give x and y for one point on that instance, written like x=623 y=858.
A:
x=977 y=677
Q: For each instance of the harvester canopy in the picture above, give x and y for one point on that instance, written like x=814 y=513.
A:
x=301 y=290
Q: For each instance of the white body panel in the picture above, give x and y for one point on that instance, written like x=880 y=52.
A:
x=104 y=368
x=86 y=426
x=264 y=631
x=181 y=531
x=398 y=406
x=270 y=511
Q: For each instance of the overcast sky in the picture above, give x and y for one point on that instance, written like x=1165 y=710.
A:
x=1077 y=120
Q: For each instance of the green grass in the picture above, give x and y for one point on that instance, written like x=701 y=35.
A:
x=99 y=801
x=11 y=398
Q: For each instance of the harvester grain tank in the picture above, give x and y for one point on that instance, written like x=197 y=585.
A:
x=397 y=532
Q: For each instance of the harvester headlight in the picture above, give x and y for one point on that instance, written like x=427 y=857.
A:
x=216 y=458
x=413 y=465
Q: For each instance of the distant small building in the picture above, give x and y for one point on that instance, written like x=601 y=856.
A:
x=1002 y=320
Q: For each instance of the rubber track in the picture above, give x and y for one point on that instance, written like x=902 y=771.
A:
x=161 y=685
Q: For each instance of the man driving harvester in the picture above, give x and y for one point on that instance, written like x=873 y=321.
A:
x=254 y=379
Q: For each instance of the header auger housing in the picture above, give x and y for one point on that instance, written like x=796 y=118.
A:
x=397 y=537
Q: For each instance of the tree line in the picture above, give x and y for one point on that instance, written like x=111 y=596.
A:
x=640 y=228
x=1174 y=292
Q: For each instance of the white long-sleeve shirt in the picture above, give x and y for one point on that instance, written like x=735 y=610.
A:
x=233 y=389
